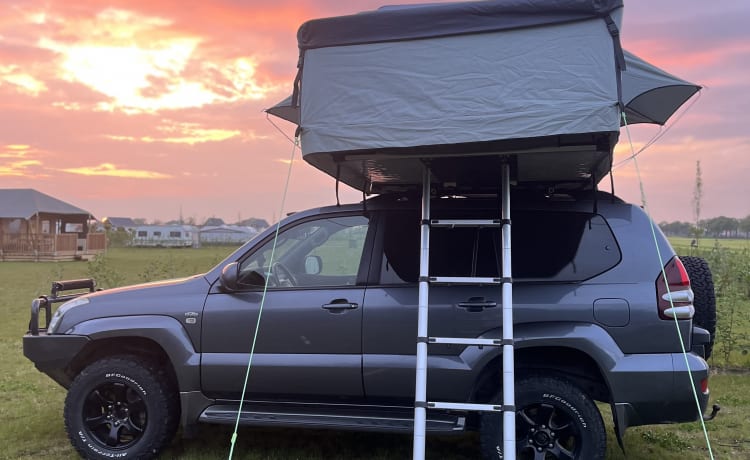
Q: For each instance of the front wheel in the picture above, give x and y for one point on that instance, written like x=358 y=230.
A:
x=554 y=420
x=121 y=407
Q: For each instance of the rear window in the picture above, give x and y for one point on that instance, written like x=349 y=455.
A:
x=545 y=246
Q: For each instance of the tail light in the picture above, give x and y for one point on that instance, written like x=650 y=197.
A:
x=677 y=301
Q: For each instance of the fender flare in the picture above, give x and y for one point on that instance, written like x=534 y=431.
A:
x=165 y=331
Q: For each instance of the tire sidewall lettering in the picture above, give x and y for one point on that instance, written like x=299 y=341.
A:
x=127 y=379
x=573 y=409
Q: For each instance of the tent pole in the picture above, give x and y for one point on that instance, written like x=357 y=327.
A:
x=420 y=391
x=509 y=411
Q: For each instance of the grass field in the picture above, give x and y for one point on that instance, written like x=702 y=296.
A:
x=31 y=408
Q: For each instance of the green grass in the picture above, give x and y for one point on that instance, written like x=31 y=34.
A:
x=31 y=407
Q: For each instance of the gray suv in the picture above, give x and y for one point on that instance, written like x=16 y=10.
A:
x=595 y=320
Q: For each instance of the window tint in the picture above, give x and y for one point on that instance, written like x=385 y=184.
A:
x=175 y=234
x=549 y=246
x=324 y=252
x=142 y=233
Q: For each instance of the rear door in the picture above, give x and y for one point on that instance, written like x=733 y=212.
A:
x=390 y=317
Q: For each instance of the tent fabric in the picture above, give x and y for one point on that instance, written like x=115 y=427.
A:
x=409 y=22
x=650 y=94
x=25 y=203
x=467 y=88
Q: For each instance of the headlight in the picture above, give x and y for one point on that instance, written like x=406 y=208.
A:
x=61 y=311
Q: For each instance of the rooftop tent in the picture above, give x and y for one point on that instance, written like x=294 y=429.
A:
x=378 y=92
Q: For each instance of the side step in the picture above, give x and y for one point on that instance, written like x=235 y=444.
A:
x=401 y=421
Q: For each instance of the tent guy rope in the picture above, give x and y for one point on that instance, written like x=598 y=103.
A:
x=663 y=273
x=295 y=145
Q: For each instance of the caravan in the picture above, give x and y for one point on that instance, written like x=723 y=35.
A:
x=172 y=236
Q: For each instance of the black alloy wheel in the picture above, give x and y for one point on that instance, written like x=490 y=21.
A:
x=555 y=420
x=121 y=407
x=115 y=415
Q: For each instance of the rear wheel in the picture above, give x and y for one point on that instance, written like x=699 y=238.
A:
x=120 y=407
x=554 y=420
x=704 y=301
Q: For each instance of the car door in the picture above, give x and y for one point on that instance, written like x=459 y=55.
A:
x=308 y=341
x=392 y=298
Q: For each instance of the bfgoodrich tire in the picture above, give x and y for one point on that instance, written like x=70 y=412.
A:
x=119 y=407
x=554 y=420
x=704 y=300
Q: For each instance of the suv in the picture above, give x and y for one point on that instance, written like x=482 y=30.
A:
x=594 y=320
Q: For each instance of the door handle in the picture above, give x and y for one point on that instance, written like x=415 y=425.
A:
x=476 y=304
x=340 y=305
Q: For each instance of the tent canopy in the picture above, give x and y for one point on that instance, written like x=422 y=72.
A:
x=457 y=84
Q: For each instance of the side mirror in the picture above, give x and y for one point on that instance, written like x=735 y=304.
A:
x=228 y=278
x=231 y=280
x=313 y=265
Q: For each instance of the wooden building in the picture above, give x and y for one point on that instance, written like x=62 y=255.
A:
x=36 y=226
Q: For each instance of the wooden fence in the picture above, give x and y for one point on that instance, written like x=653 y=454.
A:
x=64 y=246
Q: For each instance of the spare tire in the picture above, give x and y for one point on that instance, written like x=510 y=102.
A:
x=704 y=301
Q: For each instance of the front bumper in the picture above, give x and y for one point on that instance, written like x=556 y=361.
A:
x=52 y=354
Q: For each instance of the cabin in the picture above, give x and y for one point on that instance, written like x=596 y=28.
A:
x=166 y=236
x=38 y=227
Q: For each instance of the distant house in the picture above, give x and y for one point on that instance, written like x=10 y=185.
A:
x=226 y=234
x=168 y=236
x=36 y=226
x=119 y=223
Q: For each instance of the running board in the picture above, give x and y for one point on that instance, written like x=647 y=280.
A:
x=386 y=421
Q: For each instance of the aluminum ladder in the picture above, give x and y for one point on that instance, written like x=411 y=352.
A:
x=421 y=404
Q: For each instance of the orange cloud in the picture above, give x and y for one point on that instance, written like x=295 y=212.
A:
x=143 y=64
x=110 y=170
x=188 y=133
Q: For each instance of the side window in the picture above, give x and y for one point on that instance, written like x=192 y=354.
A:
x=319 y=253
x=546 y=246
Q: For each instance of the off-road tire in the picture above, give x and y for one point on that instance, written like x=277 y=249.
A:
x=121 y=407
x=554 y=420
x=704 y=301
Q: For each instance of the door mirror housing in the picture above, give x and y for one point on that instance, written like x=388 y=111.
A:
x=229 y=277
x=232 y=280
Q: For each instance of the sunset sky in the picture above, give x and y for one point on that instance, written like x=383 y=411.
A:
x=140 y=108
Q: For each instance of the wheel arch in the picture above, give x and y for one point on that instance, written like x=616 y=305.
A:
x=159 y=338
x=571 y=363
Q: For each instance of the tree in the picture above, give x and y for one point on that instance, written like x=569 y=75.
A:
x=213 y=222
x=254 y=222
x=697 y=198
x=721 y=226
x=744 y=225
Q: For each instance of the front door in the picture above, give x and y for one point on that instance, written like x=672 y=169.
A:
x=309 y=338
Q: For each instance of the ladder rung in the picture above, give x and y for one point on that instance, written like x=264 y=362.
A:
x=466 y=341
x=451 y=223
x=465 y=406
x=464 y=280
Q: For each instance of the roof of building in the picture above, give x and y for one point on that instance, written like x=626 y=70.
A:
x=118 y=222
x=25 y=203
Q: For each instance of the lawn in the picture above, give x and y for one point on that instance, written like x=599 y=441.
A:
x=31 y=410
